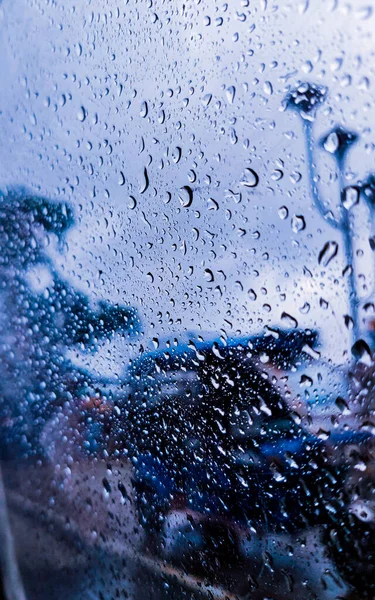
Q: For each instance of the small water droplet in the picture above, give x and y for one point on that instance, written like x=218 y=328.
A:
x=230 y=93
x=298 y=223
x=206 y=99
x=208 y=274
x=121 y=179
x=250 y=178
x=144 y=109
x=283 y=213
x=327 y=253
x=267 y=88
x=252 y=295
x=145 y=182
x=82 y=114
x=362 y=352
x=289 y=320
x=277 y=174
x=185 y=196
x=350 y=196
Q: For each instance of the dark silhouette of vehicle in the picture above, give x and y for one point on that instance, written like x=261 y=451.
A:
x=209 y=433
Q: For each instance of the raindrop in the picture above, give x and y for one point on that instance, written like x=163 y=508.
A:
x=305 y=308
x=277 y=174
x=185 y=196
x=350 y=196
x=206 y=99
x=305 y=381
x=289 y=320
x=268 y=89
x=230 y=93
x=283 y=213
x=250 y=179
x=362 y=352
x=82 y=114
x=208 y=274
x=298 y=223
x=364 y=13
x=121 y=179
x=342 y=406
x=132 y=203
x=252 y=295
x=144 y=109
x=145 y=183
x=327 y=253
x=176 y=155
x=331 y=143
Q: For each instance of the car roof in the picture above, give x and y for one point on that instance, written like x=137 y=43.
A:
x=283 y=348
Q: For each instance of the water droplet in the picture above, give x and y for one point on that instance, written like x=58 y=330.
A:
x=185 y=196
x=252 y=295
x=206 y=99
x=331 y=143
x=144 y=110
x=145 y=183
x=362 y=352
x=267 y=88
x=342 y=406
x=82 y=114
x=132 y=203
x=327 y=253
x=283 y=213
x=121 y=178
x=176 y=155
x=289 y=320
x=305 y=308
x=305 y=381
x=364 y=13
x=277 y=174
x=298 y=223
x=250 y=178
x=350 y=196
x=230 y=93
x=208 y=274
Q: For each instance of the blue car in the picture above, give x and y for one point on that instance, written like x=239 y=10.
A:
x=210 y=434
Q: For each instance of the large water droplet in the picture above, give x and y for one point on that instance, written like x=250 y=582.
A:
x=230 y=93
x=350 y=196
x=250 y=178
x=185 y=196
x=283 y=213
x=206 y=99
x=298 y=223
x=327 y=253
x=82 y=114
x=144 y=110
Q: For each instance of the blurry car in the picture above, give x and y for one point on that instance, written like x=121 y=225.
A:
x=210 y=436
x=80 y=423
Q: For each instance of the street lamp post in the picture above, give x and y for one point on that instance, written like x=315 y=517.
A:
x=305 y=100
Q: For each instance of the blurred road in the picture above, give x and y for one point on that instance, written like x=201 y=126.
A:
x=77 y=537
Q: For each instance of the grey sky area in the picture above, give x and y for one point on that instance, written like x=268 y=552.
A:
x=117 y=107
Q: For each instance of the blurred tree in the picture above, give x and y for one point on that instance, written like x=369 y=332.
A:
x=37 y=326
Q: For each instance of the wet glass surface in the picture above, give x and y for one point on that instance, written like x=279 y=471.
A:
x=187 y=300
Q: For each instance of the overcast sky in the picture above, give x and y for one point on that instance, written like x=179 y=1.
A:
x=118 y=106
